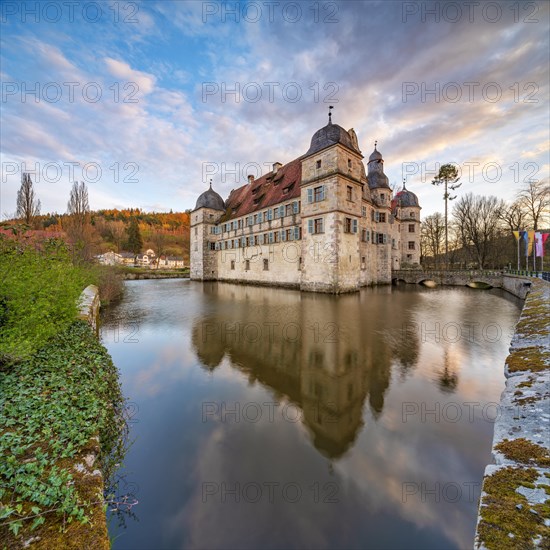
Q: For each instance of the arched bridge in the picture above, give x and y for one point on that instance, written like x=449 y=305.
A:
x=518 y=285
x=459 y=278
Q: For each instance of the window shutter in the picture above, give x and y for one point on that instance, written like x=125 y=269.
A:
x=310 y=195
x=295 y=207
x=354 y=226
x=271 y=236
x=243 y=241
x=261 y=239
x=310 y=226
x=385 y=238
x=270 y=214
x=281 y=211
x=368 y=236
x=283 y=235
x=323 y=193
x=296 y=233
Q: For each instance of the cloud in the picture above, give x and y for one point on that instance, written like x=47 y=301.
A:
x=122 y=70
x=173 y=129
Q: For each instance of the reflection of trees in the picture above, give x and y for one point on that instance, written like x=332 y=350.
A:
x=448 y=378
x=322 y=353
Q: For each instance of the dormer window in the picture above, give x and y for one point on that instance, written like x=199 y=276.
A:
x=288 y=189
x=256 y=189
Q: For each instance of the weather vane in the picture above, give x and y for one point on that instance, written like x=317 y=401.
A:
x=330 y=114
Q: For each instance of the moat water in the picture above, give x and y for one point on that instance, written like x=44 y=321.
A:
x=270 y=418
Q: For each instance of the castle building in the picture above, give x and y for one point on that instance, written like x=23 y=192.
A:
x=318 y=223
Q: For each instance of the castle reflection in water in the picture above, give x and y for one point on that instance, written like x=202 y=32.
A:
x=325 y=356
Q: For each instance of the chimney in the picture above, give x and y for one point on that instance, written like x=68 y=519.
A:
x=276 y=167
x=250 y=179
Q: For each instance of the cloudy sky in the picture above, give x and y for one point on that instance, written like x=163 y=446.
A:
x=146 y=101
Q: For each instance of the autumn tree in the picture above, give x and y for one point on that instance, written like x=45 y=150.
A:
x=135 y=241
x=447 y=176
x=28 y=206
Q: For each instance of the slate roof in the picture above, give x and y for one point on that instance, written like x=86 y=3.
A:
x=405 y=198
x=265 y=191
x=329 y=135
x=210 y=199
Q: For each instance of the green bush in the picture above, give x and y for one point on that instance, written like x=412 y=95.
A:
x=39 y=290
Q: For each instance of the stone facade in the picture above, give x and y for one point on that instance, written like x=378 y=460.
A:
x=319 y=223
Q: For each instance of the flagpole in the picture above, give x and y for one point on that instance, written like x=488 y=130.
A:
x=535 y=252
x=517 y=240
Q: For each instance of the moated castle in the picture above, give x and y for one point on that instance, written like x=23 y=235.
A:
x=318 y=223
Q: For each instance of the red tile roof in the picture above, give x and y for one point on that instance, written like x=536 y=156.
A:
x=270 y=187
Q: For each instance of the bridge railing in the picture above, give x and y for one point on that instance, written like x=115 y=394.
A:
x=445 y=273
x=526 y=273
x=471 y=273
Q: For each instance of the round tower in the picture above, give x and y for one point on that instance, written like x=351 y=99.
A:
x=208 y=210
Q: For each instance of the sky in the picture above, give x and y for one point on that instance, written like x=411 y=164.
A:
x=147 y=101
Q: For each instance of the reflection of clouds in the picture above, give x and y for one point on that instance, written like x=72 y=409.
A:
x=371 y=449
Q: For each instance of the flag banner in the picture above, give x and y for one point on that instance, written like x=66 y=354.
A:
x=531 y=240
x=516 y=235
x=544 y=237
x=539 y=248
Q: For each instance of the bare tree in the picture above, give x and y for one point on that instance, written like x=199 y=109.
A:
x=433 y=235
x=478 y=218
x=514 y=216
x=117 y=230
x=534 y=199
x=159 y=240
x=28 y=206
x=78 y=224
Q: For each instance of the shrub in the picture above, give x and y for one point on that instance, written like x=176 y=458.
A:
x=39 y=290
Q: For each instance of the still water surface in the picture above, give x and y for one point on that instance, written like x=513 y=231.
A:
x=270 y=418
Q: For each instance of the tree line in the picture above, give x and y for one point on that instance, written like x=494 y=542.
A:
x=92 y=232
x=480 y=228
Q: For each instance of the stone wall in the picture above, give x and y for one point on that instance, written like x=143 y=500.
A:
x=88 y=307
x=514 y=509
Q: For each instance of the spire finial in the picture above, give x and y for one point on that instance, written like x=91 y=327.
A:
x=330 y=114
x=404 y=184
x=375 y=144
x=210 y=183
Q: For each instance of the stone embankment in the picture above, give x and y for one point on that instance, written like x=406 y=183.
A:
x=131 y=276
x=514 y=509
